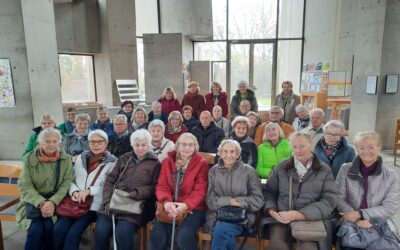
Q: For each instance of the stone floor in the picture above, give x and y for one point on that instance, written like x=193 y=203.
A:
x=14 y=238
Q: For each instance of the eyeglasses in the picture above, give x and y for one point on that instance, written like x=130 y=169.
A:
x=184 y=145
x=332 y=135
x=99 y=142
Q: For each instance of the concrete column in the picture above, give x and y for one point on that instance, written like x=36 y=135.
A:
x=41 y=50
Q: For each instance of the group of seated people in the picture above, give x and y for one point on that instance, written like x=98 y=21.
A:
x=149 y=158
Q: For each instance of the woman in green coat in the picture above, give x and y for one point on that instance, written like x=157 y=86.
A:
x=274 y=149
x=44 y=181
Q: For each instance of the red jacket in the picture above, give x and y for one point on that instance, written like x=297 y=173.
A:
x=193 y=189
x=174 y=137
x=223 y=102
x=196 y=101
x=167 y=106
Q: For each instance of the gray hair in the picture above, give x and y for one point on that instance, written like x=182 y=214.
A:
x=300 y=134
x=217 y=107
x=240 y=119
x=102 y=108
x=99 y=133
x=141 y=134
x=243 y=82
x=245 y=101
x=82 y=117
x=187 y=136
x=334 y=123
x=317 y=110
x=301 y=107
x=121 y=116
x=46 y=132
x=175 y=114
x=47 y=117
x=368 y=135
x=279 y=108
x=156 y=123
x=155 y=104
x=230 y=141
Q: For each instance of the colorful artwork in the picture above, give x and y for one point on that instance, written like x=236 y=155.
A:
x=7 y=98
x=315 y=77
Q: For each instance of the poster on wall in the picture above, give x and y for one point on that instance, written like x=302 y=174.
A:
x=7 y=98
x=314 y=77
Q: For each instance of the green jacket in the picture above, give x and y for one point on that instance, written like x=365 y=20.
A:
x=39 y=178
x=269 y=156
x=32 y=142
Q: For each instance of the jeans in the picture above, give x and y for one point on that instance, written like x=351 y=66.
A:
x=185 y=235
x=124 y=233
x=223 y=235
x=40 y=235
x=67 y=232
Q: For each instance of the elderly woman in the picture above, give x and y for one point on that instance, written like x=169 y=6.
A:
x=255 y=121
x=243 y=93
x=139 y=119
x=194 y=99
x=188 y=119
x=46 y=121
x=368 y=189
x=217 y=97
x=231 y=183
x=135 y=173
x=77 y=142
x=43 y=183
x=187 y=161
x=288 y=101
x=159 y=144
x=119 y=142
x=127 y=109
x=68 y=125
x=90 y=170
x=169 y=101
x=157 y=114
x=303 y=119
x=240 y=127
x=175 y=126
x=333 y=148
x=103 y=121
x=314 y=192
x=221 y=121
x=273 y=150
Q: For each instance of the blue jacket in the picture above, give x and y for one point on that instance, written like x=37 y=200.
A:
x=345 y=154
x=106 y=127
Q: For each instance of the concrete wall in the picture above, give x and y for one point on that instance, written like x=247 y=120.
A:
x=77 y=26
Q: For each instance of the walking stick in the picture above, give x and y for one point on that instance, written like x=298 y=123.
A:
x=178 y=179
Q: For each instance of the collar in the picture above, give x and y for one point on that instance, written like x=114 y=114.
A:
x=354 y=171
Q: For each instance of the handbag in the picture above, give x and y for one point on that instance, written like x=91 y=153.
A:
x=33 y=212
x=162 y=215
x=72 y=209
x=121 y=202
x=305 y=230
x=232 y=214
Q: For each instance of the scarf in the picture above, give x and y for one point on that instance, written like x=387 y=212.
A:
x=43 y=157
x=123 y=134
x=302 y=169
x=303 y=123
x=365 y=172
x=171 y=130
x=103 y=125
x=331 y=150
x=156 y=116
x=80 y=135
x=95 y=160
x=287 y=105
x=69 y=127
x=136 y=126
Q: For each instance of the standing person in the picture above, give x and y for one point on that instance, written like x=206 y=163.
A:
x=231 y=183
x=77 y=142
x=272 y=151
x=46 y=121
x=208 y=135
x=169 y=101
x=367 y=188
x=94 y=163
x=255 y=121
x=221 y=121
x=135 y=173
x=127 y=109
x=192 y=192
x=139 y=119
x=157 y=114
x=175 y=126
x=159 y=144
x=194 y=99
x=217 y=97
x=103 y=121
x=333 y=148
x=119 y=143
x=188 y=119
x=288 y=101
x=314 y=193
x=243 y=93
x=302 y=120
x=40 y=187
x=69 y=124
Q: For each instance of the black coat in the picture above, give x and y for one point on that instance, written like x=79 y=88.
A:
x=209 y=138
x=119 y=146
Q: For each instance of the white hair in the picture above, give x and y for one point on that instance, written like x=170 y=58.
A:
x=141 y=134
x=82 y=117
x=317 y=110
x=46 y=132
x=121 y=116
x=155 y=104
x=241 y=119
x=230 y=141
x=301 y=107
x=334 y=123
x=99 y=133
x=156 y=123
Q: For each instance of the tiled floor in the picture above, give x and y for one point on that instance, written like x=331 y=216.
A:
x=14 y=238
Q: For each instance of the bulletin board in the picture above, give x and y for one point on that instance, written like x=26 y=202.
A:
x=7 y=97
x=314 y=77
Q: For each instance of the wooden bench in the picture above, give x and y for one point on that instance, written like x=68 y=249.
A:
x=9 y=195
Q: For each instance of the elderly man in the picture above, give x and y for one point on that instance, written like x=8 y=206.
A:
x=275 y=115
x=315 y=130
x=221 y=121
x=244 y=108
x=208 y=134
x=243 y=93
x=118 y=142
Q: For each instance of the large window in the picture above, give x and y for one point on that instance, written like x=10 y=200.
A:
x=77 y=78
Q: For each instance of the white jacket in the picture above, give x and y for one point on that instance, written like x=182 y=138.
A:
x=82 y=179
x=162 y=152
